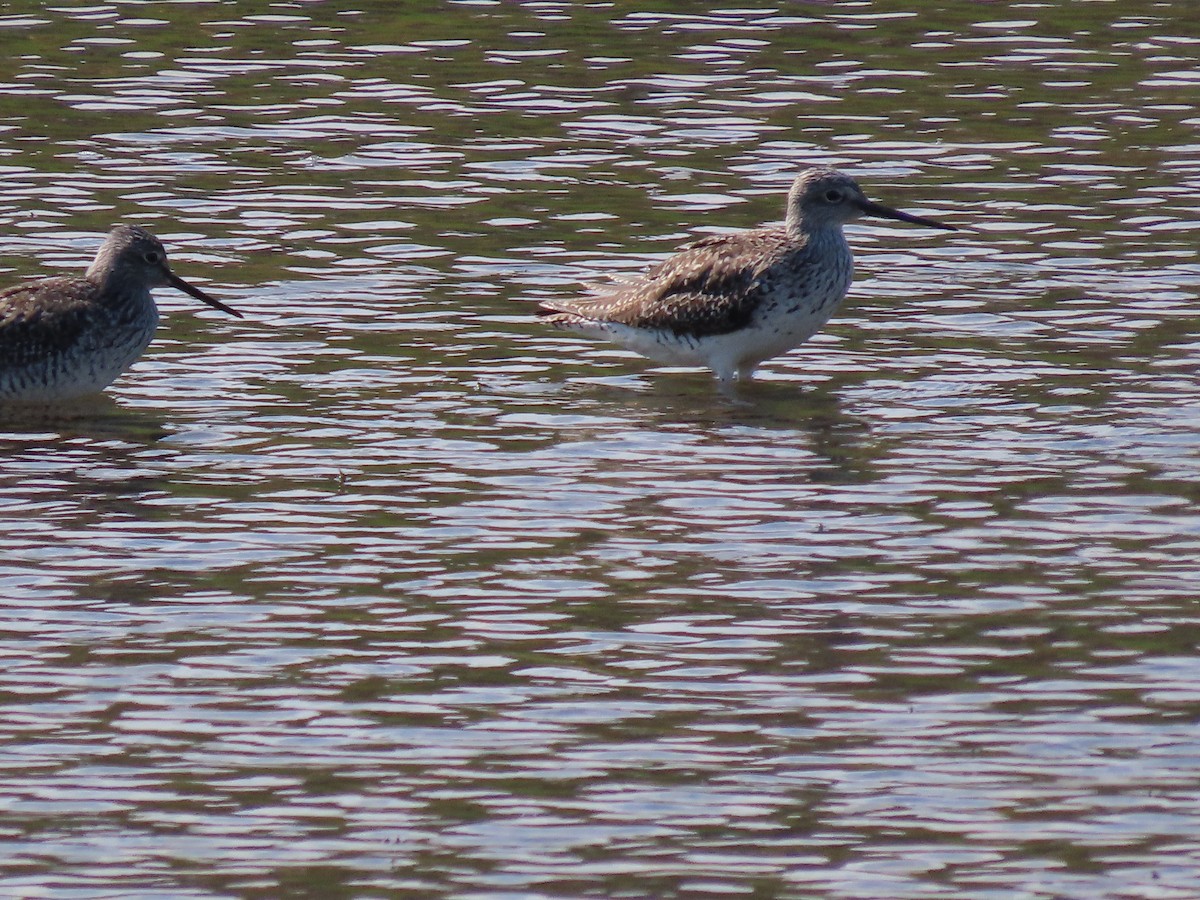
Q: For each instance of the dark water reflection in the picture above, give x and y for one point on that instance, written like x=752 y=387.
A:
x=388 y=591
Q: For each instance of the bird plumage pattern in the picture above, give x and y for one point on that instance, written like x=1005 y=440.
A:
x=65 y=336
x=730 y=301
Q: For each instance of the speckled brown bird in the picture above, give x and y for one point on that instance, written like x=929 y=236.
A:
x=731 y=301
x=67 y=337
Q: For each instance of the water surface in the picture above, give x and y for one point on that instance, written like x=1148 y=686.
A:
x=388 y=590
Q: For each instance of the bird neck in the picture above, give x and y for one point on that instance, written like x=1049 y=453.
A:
x=805 y=231
x=794 y=223
x=116 y=285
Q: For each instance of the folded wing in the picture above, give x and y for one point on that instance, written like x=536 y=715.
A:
x=709 y=287
x=42 y=318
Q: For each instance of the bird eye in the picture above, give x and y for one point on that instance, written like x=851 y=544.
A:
x=834 y=197
x=152 y=257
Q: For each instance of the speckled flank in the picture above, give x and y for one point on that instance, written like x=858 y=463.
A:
x=731 y=301
x=44 y=369
x=66 y=337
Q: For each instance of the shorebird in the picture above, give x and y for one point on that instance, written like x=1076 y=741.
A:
x=731 y=301
x=66 y=337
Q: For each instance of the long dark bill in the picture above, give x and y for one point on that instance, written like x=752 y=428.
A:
x=886 y=212
x=179 y=284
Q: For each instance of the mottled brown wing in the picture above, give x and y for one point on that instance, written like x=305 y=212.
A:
x=42 y=318
x=709 y=287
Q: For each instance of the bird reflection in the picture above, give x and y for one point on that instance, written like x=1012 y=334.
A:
x=97 y=416
x=836 y=437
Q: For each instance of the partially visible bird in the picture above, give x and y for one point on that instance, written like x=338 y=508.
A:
x=67 y=337
x=731 y=301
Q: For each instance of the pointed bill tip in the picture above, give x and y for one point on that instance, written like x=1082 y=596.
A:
x=179 y=284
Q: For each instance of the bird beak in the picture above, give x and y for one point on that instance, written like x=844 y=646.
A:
x=179 y=284
x=886 y=212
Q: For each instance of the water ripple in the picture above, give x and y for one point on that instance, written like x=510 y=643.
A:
x=389 y=585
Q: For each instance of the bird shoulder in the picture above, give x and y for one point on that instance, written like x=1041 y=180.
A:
x=41 y=317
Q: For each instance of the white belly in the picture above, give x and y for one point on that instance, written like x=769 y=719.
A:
x=781 y=325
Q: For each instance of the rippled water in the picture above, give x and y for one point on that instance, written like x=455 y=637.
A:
x=388 y=590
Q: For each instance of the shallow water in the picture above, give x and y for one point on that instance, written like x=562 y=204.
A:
x=388 y=590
